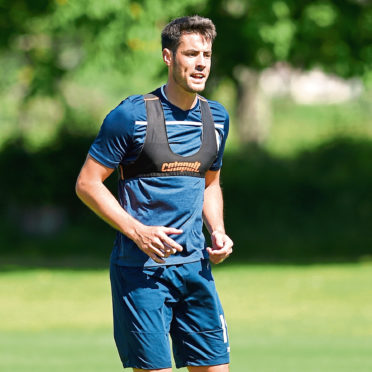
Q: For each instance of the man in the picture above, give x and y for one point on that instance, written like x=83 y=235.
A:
x=168 y=147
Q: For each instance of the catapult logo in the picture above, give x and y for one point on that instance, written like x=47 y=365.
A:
x=181 y=166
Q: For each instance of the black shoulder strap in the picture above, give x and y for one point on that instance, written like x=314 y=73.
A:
x=155 y=133
x=209 y=137
x=156 y=158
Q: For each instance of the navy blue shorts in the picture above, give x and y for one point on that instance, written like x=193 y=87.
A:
x=149 y=304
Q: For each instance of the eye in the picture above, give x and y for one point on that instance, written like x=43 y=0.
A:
x=191 y=53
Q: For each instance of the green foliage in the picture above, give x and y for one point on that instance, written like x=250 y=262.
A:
x=46 y=177
x=315 y=205
x=77 y=59
x=64 y=64
x=256 y=33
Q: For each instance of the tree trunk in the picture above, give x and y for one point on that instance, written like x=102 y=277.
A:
x=253 y=108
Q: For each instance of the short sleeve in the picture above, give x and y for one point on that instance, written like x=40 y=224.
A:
x=115 y=136
x=222 y=121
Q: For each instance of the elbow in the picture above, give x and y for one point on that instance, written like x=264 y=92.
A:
x=80 y=186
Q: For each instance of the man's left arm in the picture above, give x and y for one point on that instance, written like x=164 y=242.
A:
x=213 y=218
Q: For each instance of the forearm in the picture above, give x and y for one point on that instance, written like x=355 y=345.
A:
x=152 y=240
x=100 y=200
x=213 y=208
x=213 y=218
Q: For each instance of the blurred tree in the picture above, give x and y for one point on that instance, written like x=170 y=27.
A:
x=62 y=61
x=254 y=34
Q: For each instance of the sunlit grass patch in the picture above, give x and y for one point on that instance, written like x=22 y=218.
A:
x=280 y=318
x=296 y=127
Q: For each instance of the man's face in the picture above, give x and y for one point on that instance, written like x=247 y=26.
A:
x=191 y=63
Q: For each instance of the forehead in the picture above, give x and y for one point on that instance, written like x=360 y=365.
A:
x=194 y=41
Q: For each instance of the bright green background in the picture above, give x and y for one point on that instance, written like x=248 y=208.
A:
x=281 y=318
x=302 y=192
x=303 y=195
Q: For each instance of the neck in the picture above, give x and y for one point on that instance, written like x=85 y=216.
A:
x=179 y=97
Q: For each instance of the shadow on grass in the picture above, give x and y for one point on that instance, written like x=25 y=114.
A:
x=85 y=263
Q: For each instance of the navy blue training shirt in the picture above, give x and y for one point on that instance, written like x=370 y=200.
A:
x=171 y=201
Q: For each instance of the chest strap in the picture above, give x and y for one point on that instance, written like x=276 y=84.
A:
x=156 y=158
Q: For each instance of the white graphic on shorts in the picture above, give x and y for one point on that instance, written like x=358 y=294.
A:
x=224 y=330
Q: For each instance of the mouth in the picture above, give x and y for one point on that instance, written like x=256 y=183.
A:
x=198 y=76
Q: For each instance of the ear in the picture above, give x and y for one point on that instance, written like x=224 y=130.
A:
x=167 y=56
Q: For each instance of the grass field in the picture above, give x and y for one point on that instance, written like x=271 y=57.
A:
x=281 y=318
x=296 y=128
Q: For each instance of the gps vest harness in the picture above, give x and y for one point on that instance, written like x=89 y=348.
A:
x=156 y=158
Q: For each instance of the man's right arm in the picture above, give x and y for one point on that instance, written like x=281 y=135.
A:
x=152 y=240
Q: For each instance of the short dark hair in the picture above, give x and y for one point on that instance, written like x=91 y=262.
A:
x=172 y=32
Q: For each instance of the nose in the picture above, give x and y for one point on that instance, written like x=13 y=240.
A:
x=201 y=62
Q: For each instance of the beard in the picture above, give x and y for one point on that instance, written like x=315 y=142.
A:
x=177 y=77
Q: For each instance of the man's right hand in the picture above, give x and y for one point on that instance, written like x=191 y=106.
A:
x=155 y=242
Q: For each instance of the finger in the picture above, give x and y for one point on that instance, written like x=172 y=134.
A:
x=170 y=243
x=169 y=249
x=215 y=253
x=156 y=258
x=167 y=254
x=218 y=238
x=157 y=243
x=216 y=260
x=218 y=252
x=172 y=230
x=227 y=245
x=156 y=251
x=219 y=241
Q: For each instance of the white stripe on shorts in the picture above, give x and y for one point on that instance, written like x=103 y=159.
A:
x=223 y=324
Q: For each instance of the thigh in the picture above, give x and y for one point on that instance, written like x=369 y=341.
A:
x=141 y=317
x=152 y=370
x=219 y=368
x=199 y=332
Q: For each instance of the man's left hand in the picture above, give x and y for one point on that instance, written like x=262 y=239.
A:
x=221 y=247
